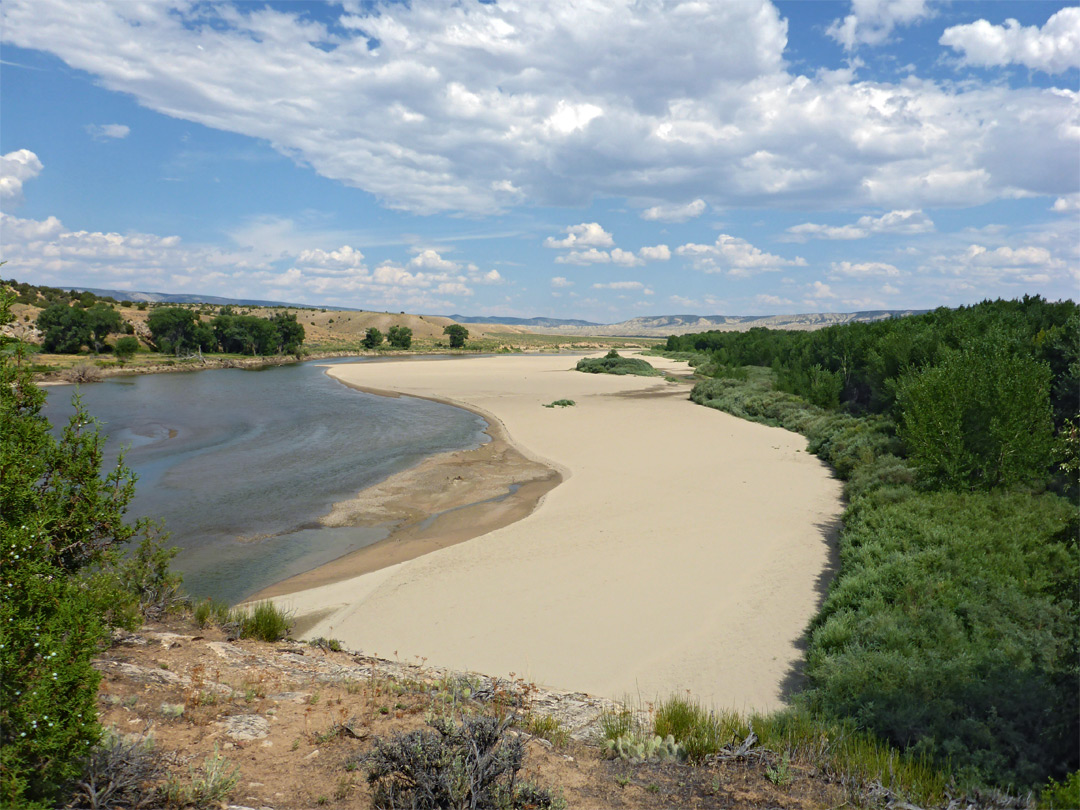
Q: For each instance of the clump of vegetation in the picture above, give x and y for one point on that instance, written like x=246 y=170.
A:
x=614 y=363
x=121 y=773
x=208 y=786
x=458 y=334
x=561 y=403
x=373 y=338
x=472 y=764
x=399 y=337
x=265 y=622
x=211 y=611
x=548 y=728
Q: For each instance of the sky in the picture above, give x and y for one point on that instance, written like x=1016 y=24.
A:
x=589 y=159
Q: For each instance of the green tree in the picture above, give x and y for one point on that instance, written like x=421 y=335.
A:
x=458 y=335
x=173 y=329
x=103 y=321
x=400 y=337
x=373 y=339
x=66 y=328
x=125 y=348
x=979 y=419
x=290 y=332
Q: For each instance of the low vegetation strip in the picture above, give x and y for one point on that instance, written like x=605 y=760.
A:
x=614 y=363
x=951 y=629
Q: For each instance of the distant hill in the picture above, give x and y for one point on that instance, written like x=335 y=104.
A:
x=664 y=325
x=196 y=298
x=542 y=322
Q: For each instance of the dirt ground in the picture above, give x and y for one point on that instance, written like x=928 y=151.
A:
x=297 y=720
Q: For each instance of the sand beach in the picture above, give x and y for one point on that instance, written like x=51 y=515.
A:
x=650 y=546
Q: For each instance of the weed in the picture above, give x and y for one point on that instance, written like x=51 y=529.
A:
x=326 y=644
x=780 y=773
x=548 y=728
x=119 y=773
x=211 y=786
x=561 y=403
x=265 y=622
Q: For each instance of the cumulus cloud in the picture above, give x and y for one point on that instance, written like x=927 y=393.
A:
x=626 y=258
x=479 y=106
x=819 y=290
x=105 y=132
x=1054 y=48
x=590 y=256
x=905 y=222
x=560 y=281
x=15 y=169
x=675 y=213
x=1070 y=202
x=872 y=21
x=735 y=256
x=587 y=234
x=656 y=253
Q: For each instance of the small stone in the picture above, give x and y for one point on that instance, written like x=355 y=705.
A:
x=245 y=727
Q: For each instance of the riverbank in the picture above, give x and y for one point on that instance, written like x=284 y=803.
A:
x=684 y=550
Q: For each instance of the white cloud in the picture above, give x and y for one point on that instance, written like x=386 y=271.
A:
x=863 y=269
x=766 y=299
x=735 y=256
x=590 y=256
x=15 y=169
x=560 y=281
x=1070 y=202
x=430 y=260
x=344 y=257
x=871 y=21
x=656 y=253
x=104 y=132
x=818 y=291
x=1054 y=48
x=477 y=106
x=626 y=258
x=675 y=213
x=587 y=234
x=905 y=222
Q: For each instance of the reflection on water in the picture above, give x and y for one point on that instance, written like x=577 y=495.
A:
x=240 y=464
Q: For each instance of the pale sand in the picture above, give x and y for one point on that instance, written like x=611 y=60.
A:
x=685 y=549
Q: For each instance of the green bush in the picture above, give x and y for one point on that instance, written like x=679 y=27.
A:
x=614 y=363
x=265 y=622
x=952 y=628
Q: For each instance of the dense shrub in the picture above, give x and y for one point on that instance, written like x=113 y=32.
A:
x=473 y=764
x=614 y=363
x=952 y=628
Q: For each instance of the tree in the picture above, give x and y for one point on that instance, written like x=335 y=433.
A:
x=458 y=335
x=290 y=332
x=400 y=337
x=979 y=419
x=62 y=529
x=102 y=320
x=125 y=348
x=66 y=328
x=373 y=339
x=173 y=329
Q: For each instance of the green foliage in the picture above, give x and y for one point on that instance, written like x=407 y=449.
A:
x=61 y=530
x=473 y=764
x=458 y=335
x=650 y=748
x=265 y=621
x=613 y=363
x=211 y=611
x=372 y=339
x=121 y=772
x=125 y=348
x=699 y=732
x=1064 y=795
x=173 y=329
x=952 y=630
x=102 y=321
x=400 y=337
x=561 y=403
x=65 y=328
x=981 y=418
x=548 y=728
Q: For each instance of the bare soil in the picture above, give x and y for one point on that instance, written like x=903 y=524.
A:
x=298 y=719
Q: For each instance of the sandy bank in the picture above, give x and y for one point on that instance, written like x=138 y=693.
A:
x=684 y=549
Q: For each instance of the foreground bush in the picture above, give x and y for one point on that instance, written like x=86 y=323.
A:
x=471 y=765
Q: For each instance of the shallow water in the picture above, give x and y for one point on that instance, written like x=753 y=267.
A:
x=240 y=464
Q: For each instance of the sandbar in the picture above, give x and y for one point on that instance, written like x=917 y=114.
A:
x=682 y=550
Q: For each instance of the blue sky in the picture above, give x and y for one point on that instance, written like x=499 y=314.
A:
x=597 y=160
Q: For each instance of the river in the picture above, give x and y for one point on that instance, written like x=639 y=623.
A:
x=240 y=464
